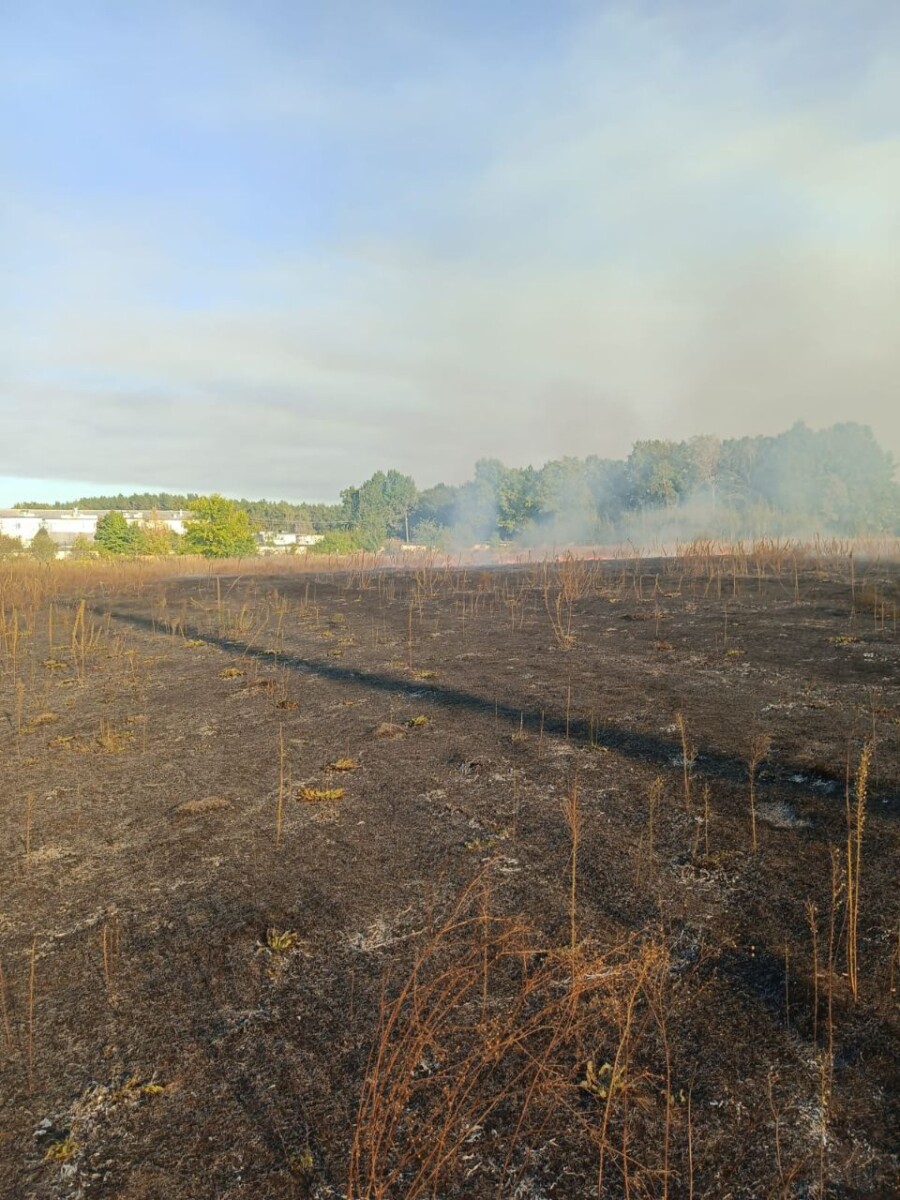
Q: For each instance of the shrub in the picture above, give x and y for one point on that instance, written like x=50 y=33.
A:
x=43 y=547
x=83 y=548
x=338 y=541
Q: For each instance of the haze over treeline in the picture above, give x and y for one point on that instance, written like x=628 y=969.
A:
x=836 y=480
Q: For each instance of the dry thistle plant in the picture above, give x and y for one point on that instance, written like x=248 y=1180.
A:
x=569 y=584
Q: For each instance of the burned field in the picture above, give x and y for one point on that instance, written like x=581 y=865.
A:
x=562 y=880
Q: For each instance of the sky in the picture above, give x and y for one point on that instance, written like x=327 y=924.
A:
x=269 y=249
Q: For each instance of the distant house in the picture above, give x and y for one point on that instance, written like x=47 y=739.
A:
x=271 y=542
x=66 y=524
x=173 y=519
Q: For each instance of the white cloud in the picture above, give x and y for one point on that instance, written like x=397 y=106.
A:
x=671 y=245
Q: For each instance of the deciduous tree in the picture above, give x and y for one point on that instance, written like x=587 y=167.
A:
x=219 y=529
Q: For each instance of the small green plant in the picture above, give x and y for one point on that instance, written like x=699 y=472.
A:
x=302 y=1164
x=280 y=941
x=601 y=1082
x=62 y=1151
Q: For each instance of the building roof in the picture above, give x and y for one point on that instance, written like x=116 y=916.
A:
x=62 y=514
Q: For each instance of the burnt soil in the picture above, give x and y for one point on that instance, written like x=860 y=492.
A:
x=158 y=1041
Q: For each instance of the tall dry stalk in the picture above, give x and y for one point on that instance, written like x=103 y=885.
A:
x=4 y=1012
x=279 y=808
x=812 y=919
x=688 y=757
x=654 y=796
x=856 y=821
x=759 y=748
x=572 y=817
x=79 y=642
x=31 y=981
x=110 y=937
x=29 y=813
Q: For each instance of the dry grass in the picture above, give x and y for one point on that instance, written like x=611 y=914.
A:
x=343 y=764
x=388 y=730
x=856 y=823
x=491 y=1029
x=312 y=795
x=204 y=804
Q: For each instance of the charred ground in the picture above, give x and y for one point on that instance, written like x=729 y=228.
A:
x=242 y=813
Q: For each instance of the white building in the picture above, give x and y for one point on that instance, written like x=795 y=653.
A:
x=63 y=525
x=173 y=519
x=286 y=543
x=66 y=524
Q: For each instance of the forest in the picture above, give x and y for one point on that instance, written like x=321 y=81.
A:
x=837 y=480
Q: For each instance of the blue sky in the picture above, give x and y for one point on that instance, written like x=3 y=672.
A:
x=269 y=249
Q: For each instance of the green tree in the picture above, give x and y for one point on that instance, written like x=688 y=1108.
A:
x=658 y=474
x=43 y=547
x=478 y=502
x=380 y=507
x=430 y=533
x=337 y=541
x=159 y=540
x=436 y=505
x=518 y=500
x=401 y=495
x=220 y=529
x=568 y=512
x=115 y=537
x=10 y=546
x=83 y=548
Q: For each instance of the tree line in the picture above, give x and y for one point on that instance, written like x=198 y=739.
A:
x=832 y=481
